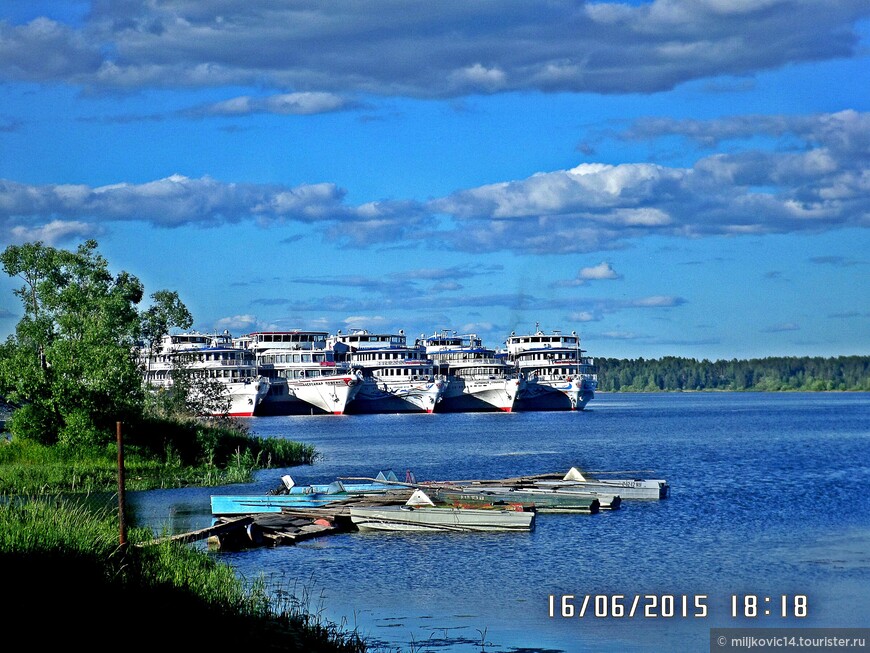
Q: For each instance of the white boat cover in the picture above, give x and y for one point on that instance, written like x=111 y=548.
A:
x=389 y=476
x=419 y=498
x=574 y=475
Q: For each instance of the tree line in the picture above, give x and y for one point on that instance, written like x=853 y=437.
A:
x=757 y=374
x=71 y=364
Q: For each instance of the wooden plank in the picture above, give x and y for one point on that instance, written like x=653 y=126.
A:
x=218 y=529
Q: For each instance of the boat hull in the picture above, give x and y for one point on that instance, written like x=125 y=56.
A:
x=317 y=396
x=542 y=501
x=374 y=397
x=468 y=395
x=543 y=395
x=245 y=398
x=650 y=489
x=440 y=519
x=311 y=496
x=252 y=505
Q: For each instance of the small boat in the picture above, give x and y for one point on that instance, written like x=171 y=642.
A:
x=629 y=488
x=419 y=513
x=542 y=500
x=290 y=495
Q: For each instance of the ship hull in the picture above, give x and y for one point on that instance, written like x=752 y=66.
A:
x=544 y=395
x=245 y=398
x=380 y=397
x=317 y=396
x=469 y=396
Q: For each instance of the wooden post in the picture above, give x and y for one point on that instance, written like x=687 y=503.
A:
x=122 y=523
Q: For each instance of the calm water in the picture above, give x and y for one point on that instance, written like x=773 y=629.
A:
x=769 y=497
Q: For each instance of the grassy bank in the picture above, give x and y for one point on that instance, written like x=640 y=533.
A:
x=157 y=454
x=68 y=582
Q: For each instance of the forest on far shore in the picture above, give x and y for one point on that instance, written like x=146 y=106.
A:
x=758 y=374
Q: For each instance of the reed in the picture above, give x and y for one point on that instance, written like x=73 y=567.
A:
x=158 y=455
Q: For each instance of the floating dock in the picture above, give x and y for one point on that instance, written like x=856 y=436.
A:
x=296 y=524
x=291 y=525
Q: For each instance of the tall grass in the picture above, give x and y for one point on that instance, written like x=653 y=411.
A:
x=159 y=456
x=71 y=581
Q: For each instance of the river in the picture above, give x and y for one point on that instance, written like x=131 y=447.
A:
x=769 y=498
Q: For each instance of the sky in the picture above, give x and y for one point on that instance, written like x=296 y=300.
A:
x=668 y=178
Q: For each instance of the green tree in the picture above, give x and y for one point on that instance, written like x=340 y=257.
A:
x=166 y=311
x=71 y=364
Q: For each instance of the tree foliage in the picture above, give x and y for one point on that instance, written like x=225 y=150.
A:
x=71 y=364
x=760 y=374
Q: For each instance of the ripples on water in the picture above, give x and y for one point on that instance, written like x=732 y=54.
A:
x=769 y=495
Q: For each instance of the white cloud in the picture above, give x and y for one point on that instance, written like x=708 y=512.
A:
x=421 y=49
x=601 y=271
x=51 y=211
x=592 y=207
x=367 y=322
x=54 y=232
x=237 y=323
x=299 y=104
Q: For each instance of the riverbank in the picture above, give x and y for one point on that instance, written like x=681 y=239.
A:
x=171 y=455
x=73 y=582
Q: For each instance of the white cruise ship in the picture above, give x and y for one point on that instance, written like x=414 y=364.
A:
x=303 y=373
x=558 y=376
x=208 y=356
x=396 y=378
x=476 y=380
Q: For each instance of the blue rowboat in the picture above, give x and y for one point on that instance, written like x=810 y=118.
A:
x=290 y=495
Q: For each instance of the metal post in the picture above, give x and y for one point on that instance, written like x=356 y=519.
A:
x=122 y=523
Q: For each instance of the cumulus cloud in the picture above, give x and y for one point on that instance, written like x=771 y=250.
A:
x=594 y=207
x=822 y=185
x=601 y=271
x=423 y=49
x=843 y=131
x=45 y=50
x=54 y=232
x=595 y=273
x=50 y=212
x=242 y=323
x=367 y=322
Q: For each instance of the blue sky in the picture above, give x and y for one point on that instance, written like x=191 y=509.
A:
x=674 y=177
